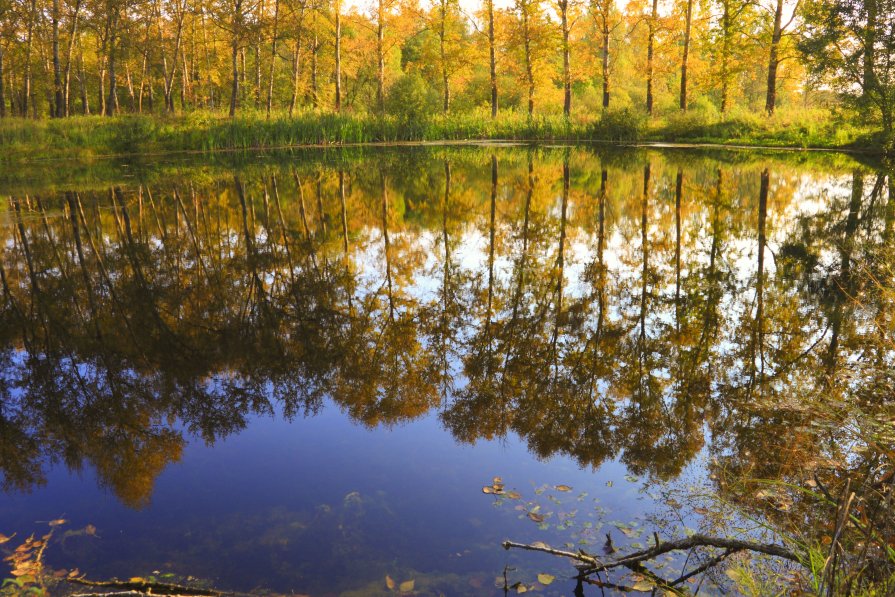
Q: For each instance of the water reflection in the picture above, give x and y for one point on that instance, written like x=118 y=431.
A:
x=639 y=306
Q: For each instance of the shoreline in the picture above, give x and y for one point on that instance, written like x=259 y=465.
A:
x=724 y=145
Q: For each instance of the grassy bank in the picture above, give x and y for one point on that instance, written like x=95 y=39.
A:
x=91 y=136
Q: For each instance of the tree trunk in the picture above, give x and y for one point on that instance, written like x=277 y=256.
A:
x=529 y=68
x=315 y=101
x=380 y=56
x=66 y=80
x=296 y=56
x=82 y=84
x=236 y=26
x=869 y=75
x=649 y=57
x=180 y=11
x=207 y=59
x=605 y=55
x=112 y=101
x=337 y=7
x=256 y=50
x=566 y=73
x=273 y=55
x=774 y=60
x=130 y=87
x=2 y=90
x=442 y=33
x=686 y=55
x=58 y=95
x=725 y=57
x=492 y=57
x=29 y=43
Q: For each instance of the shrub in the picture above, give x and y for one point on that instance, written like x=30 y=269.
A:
x=411 y=99
x=625 y=125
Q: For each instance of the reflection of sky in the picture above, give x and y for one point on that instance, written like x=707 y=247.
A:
x=421 y=490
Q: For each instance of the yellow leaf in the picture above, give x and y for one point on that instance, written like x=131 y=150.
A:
x=535 y=517
x=497 y=480
x=644 y=586
x=563 y=488
x=406 y=586
x=521 y=588
x=90 y=530
x=540 y=544
x=136 y=579
x=513 y=495
x=4 y=538
x=57 y=522
x=24 y=568
x=389 y=583
x=546 y=579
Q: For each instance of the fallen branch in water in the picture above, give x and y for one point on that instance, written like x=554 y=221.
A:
x=663 y=547
x=127 y=594
x=143 y=587
x=588 y=564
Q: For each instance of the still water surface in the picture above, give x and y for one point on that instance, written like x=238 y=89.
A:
x=297 y=374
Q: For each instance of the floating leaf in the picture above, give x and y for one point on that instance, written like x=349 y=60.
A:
x=4 y=538
x=536 y=517
x=90 y=530
x=608 y=483
x=137 y=579
x=406 y=586
x=703 y=511
x=644 y=586
x=57 y=522
x=513 y=495
x=563 y=488
x=546 y=579
x=540 y=544
x=389 y=583
x=488 y=489
x=23 y=569
x=520 y=588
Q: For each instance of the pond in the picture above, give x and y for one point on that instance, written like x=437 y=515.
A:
x=296 y=373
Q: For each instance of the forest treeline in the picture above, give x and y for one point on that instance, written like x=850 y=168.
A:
x=413 y=59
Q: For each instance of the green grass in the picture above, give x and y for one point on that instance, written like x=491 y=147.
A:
x=92 y=136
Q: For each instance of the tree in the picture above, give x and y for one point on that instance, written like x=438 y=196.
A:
x=567 y=10
x=774 y=57
x=530 y=32
x=604 y=13
x=688 y=20
x=727 y=39
x=852 y=44
x=337 y=74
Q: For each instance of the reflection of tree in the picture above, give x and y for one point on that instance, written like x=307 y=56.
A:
x=599 y=316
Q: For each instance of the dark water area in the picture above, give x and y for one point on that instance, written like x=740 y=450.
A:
x=296 y=374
